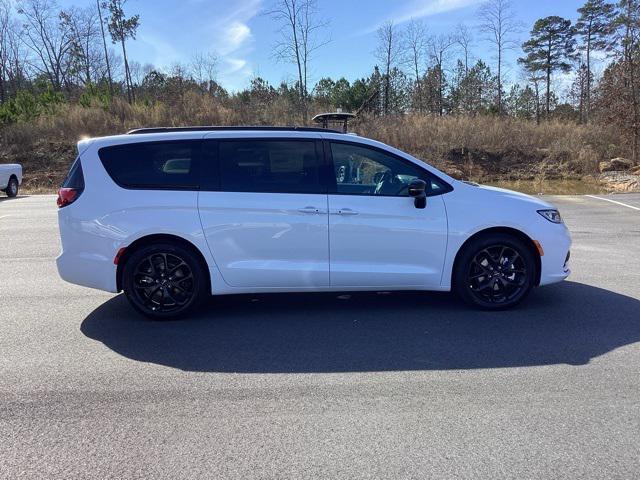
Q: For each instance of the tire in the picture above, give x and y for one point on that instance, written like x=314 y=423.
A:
x=164 y=281
x=495 y=272
x=12 y=188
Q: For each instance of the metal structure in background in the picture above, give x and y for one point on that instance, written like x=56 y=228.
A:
x=339 y=117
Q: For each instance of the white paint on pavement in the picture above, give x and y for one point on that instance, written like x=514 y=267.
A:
x=613 y=201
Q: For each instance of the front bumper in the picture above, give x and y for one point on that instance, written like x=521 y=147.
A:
x=557 y=253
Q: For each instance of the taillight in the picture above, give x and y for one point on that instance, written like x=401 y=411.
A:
x=66 y=196
x=72 y=186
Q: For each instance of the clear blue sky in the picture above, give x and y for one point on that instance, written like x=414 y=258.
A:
x=243 y=36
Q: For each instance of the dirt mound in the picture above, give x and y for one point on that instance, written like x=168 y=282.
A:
x=510 y=165
x=44 y=163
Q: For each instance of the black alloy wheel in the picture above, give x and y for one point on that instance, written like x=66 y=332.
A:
x=164 y=281
x=495 y=273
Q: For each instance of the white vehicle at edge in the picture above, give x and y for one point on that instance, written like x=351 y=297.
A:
x=10 y=178
x=172 y=215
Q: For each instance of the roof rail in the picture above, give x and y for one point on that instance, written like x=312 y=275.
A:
x=215 y=129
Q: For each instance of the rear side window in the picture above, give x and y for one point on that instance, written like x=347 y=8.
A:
x=275 y=166
x=75 y=177
x=164 y=165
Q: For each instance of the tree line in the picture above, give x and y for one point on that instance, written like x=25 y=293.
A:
x=50 y=56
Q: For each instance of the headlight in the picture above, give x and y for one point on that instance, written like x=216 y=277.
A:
x=552 y=215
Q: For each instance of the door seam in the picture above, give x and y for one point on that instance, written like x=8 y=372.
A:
x=329 y=238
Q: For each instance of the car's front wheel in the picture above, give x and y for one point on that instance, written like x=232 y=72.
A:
x=164 y=281
x=495 y=272
x=12 y=187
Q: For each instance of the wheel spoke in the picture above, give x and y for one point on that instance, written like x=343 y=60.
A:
x=482 y=267
x=183 y=279
x=174 y=269
x=149 y=296
x=489 y=258
x=515 y=281
x=177 y=286
x=153 y=271
x=479 y=275
x=174 y=299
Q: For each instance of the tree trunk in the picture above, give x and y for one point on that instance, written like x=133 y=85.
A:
x=301 y=86
x=387 y=79
x=126 y=72
x=588 y=105
x=500 y=80
x=636 y=112
x=549 y=80
x=537 y=103
x=87 y=64
x=630 y=50
x=418 y=86
x=106 y=53
x=440 y=89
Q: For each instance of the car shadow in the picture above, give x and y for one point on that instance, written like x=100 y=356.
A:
x=569 y=323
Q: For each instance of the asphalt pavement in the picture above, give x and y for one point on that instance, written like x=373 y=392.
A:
x=361 y=386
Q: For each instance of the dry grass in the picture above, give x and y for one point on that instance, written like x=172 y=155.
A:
x=479 y=148
x=498 y=147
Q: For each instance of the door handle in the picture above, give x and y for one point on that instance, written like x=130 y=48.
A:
x=346 y=212
x=309 y=210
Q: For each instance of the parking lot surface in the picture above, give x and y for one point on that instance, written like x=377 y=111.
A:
x=397 y=386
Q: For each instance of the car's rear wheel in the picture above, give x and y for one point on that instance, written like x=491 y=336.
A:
x=164 y=281
x=495 y=272
x=12 y=187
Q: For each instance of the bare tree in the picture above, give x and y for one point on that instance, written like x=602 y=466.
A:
x=499 y=23
x=415 y=47
x=464 y=39
x=388 y=54
x=204 y=68
x=439 y=48
x=83 y=26
x=48 y=38
x=5 y=63
x=299 y=39
x=137 y=72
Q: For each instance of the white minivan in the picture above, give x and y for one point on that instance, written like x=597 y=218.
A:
x=171 y=215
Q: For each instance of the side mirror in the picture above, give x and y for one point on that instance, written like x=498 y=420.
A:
x=417 y=190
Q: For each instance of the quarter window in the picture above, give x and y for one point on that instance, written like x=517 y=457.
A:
x=276 y=166
x=166 y=165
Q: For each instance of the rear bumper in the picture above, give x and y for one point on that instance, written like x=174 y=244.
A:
x=88 y=270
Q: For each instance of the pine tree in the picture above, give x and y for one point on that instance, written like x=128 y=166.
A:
x=627 y=37
x=594 y=27
x=121 y=28
x=551 y=48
